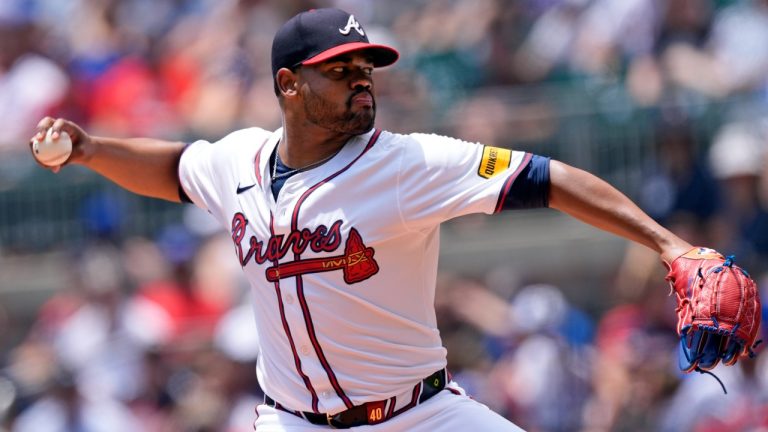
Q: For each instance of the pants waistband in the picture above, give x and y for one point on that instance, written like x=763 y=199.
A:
x=371 y=413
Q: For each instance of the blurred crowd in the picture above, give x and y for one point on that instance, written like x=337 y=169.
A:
x=152 y=334
x=199 y=68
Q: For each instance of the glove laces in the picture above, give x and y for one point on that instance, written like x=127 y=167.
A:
x=702 y=371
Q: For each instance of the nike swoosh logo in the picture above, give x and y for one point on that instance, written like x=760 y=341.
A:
x=243 y=189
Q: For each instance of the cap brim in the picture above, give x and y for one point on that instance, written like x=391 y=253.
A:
x=382 y=54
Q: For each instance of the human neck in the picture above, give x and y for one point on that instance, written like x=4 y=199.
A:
x=307 y=144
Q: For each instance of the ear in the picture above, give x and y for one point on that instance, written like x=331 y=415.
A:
x=287 y=82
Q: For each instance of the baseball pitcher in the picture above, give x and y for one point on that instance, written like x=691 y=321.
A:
x=336 y=225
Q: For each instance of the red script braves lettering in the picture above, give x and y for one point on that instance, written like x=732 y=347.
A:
x=357 y=262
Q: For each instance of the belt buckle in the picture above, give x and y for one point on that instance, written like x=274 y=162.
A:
x=328 y=418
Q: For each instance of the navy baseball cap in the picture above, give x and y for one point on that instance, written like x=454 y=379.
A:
x=317 y=35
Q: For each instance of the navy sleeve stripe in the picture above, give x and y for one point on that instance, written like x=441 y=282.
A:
x=510 y=180
x=183 y=197
x=530 y=188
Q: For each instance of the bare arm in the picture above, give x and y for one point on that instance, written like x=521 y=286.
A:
x=592 y=200
x=143 y=166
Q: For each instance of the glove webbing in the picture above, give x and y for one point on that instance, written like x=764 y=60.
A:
x=701 y=354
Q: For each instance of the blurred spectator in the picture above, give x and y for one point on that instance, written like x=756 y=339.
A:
x=490 y=119
x=448 y=42
x=679 y=190
x=237 y=339
x=612 y=31
x=737 y=158
x=87 y=330
x=548 y=47
x=701 y=406
x=5 y=322
x=631 y=376
x=31 y=84
x=29 y=371
x=681 y=23
x=733 y=59
x=206 y=70
x=472 y=336
x=64 y=409
x=103 y=215
x=543 y=377
x=182 y=311
x=127 y=99
x=528 y=369
x=143 y=262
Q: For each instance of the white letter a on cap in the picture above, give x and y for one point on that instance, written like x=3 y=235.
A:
x=352 y=24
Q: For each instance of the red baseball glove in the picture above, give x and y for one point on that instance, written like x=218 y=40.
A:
x=718 y=309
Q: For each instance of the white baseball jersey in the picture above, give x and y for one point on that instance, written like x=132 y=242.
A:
x=343 y=264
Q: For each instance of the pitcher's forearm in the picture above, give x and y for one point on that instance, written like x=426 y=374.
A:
x=141 y=165
x=594 y=201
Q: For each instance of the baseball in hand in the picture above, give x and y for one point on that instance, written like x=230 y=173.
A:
x=50 y=152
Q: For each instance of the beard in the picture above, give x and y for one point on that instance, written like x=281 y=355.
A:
x=325 y=114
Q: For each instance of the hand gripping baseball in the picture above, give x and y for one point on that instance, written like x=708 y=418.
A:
x=718 y=309
x=52 y=134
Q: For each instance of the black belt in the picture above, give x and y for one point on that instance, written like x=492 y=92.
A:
x=370 y=412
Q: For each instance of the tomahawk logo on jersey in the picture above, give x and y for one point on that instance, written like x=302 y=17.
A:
x=317 y=262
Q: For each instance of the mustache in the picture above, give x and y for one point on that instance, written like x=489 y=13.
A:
x=358 y=91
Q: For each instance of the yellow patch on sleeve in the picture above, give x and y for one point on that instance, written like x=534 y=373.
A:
x=495 y=160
